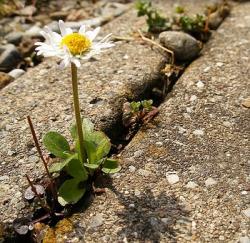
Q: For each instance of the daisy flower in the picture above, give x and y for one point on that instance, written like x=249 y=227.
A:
x=71 y=46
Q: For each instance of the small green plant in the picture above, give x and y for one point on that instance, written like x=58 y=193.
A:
x=96 y=146
x=74 y=168
x=179 y=9
x=156 y=23
x=138 y=112
x=192 y=24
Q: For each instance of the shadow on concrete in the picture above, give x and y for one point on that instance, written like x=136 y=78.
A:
x=149 y=218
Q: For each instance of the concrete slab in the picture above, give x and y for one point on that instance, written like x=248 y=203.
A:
x=126 y=72
x=185 y=176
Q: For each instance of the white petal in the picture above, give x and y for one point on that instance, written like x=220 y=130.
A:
x=62 y=27
x=93 y=33
x=82 y=30
x=64 y=63
x=106 y=38
x=76 y=62
x=69 y=31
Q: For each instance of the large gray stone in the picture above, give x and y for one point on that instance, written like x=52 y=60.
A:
x=184 y=46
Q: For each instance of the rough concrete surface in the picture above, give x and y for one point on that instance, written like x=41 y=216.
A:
x=44 y=92
x=185 y=176
x=142 y=206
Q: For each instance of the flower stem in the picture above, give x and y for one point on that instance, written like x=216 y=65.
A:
x=82 y=155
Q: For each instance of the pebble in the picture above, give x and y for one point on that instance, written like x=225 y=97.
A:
x=246 y=102
x=198 y=132
x=137 y=193
x=138 y=153
x=206 y=69
x=5 y=79
x=244 y=239
x=143 y=172
x=172 y=177
x=191 y=185
x=219 y=64
x=227 y=124
x=33 y=32
x=33 y=159
x=159 y=143
x=193 y=98
x=16 y=73
x=210 y=182
x=246 y=212
x=184 y=46
x=200 y=84
x=165 y=220
x=131 y=169
x=14 y=37
x=96 y=221
x=9 y=58
x=4 y=178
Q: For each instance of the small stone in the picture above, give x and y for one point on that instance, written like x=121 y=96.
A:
x=191 y=185
x=125 y=57
x=159 y=143
x=4 y=178
x=14 y=37
x=206 y=69
x=244 y=193
x=221 y=237
x=184 y=46
x=165 y=220
x=16 y=73
x=227 y=124
x=214 y=20
x=5 y=79
x=131 y=169
x=33 y=32
x=131 y=205
x=193 y=98
x=246 y=212
x=33 y=159
x=27 y=11
x=9 y=58
x=96 y=221
x=126 y=192
x=198 y=132
x=138 y=153
x=172 y=177
x=143 y=172
x=200 y=84
x=219 y=64
x=244 y=239
x=246 y=102
x=210 y=182
x=137 y=193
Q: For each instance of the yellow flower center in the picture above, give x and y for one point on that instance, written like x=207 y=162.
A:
x=76 y=43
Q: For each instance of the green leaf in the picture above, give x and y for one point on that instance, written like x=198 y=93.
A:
x=111 y=166
x=91 y=166
x=103 y=144
x=73 y=131
x=147 y=104
x=87 y=128
x=56 y=167
x=76 y=170
x=91 y=151
x=70 y=192
x=135 y=106
x=56 y=144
